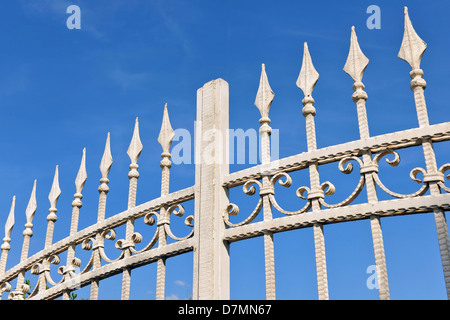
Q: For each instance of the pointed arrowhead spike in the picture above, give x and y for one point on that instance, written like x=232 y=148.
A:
x=107 y=160
x=32 y=205
x=166 y=134
x=82 y=175
x=55 y=191
x=413 y=46
x=265 y=95
x=308 y=76
x=135 y=148
x=10 y=221
x=356 y=61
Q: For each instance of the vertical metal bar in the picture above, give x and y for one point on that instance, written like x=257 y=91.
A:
x=134 y=150
x=355 y=66
x=411 y=51
x=306 y=81
x=103 y=189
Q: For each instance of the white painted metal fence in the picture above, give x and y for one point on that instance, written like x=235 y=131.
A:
x=212 y=226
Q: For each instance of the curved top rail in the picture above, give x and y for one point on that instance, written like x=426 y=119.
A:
x=114 y=221
x=395 y=140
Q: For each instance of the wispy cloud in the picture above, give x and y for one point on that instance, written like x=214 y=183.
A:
x=180 y=283
x=46 y=7
x=175 y=29
x=126 y=79
x=172 y=297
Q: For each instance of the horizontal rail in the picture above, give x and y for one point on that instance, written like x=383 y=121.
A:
x=395 y=140
x=350 y=213
x=112 y=222
x=117 y=267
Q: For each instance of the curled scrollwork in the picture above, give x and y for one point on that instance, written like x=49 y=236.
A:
x=346 y=167
x=442 y=170
x=413 y=175
x=178 y=210
x=5 y=287
x=232 y=209
x=393 y=163
x=301 y=192
x=368 y=170
x=249 y=187
x=162 y=219
x=70 y=268
x=43 y=270
x=287 y=183
x=87 y=243
x=109 y=234
x=277 y=177
x=19 y=293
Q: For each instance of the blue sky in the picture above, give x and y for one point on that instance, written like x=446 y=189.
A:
x=62 y=90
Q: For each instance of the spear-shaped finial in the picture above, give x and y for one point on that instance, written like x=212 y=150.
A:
x=7 y=239
x=32 y=206
x=413 y=46
x=53 y=197
x=135 y=148
x=105 y=166
x=411 y=51
x=356 y=61
x=308 y=76
x=355 y=66
x=82 y=175
x=165 y=140
x=265 y=95
x=55 y=191
x=166 y=134
x=9 y=223
x=28 y=232
x=107 y=160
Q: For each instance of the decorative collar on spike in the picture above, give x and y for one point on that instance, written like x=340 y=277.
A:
x=55 y=191
x=308 y=76
x=107 y=160
x=413 y=46
x=135 y=148
x=166 y=134
x=82 y=175
x=32 y=205
x=265 y=95
x=356 y=61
